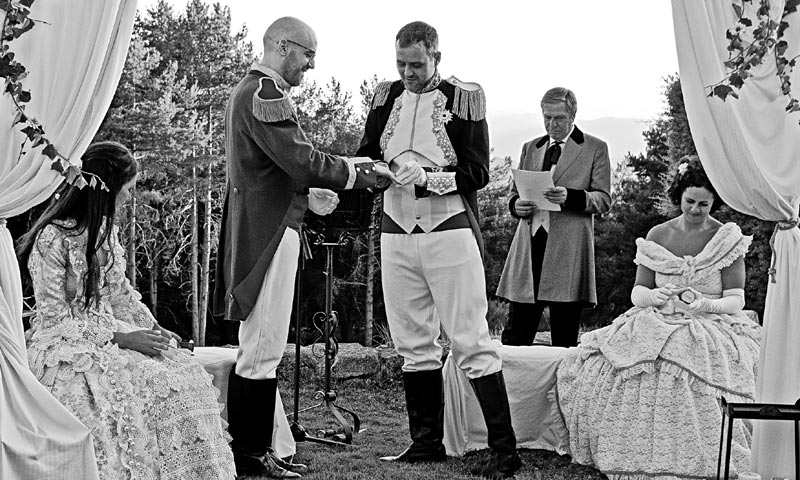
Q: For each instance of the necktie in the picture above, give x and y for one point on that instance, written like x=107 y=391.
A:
x=551 y=156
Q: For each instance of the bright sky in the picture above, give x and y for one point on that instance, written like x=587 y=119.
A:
x=613 y=54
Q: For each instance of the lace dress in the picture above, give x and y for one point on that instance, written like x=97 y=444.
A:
x=640 y=396
x=150 y=417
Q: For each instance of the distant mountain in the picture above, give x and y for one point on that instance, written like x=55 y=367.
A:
x=509 y=131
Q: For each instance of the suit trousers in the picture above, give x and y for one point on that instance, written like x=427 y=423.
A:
x=523 y=318
x=263 y=335
x=431 y=281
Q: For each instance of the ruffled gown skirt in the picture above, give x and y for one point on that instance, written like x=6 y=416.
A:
x=150 y=417
x=640 y=398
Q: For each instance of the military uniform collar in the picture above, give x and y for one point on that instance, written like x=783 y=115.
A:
x=434 y=82
x=282 y=84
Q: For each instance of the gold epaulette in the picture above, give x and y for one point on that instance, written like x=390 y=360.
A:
x=470 y=101
x=381 y=94
x=270 y=103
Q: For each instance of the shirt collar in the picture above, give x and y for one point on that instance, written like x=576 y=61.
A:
x=282 y=84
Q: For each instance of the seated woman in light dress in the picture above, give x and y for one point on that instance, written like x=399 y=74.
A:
x=150 y=407
x=640 y=397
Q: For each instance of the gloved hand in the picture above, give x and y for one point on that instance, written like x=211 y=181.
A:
x=322 y=201
x=411 y=172
x=732 y=302
x=642 y=296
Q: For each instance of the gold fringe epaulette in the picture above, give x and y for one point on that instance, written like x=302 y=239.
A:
x=272 y=110
x=469 y=102
x=381 y=94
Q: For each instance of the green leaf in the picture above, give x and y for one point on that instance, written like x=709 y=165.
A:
x=746 y=22
x=20 y=117
x=790 y=6
x=71 y=174
x=737 y=9
x=736 y=80
x=57 y=166
x=24 y=96
x=722 y=91
x=50 y=151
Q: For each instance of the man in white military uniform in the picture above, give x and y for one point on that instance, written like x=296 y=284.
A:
x=434 y=135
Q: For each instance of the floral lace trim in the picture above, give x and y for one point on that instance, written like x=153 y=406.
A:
x=391 y=124
x=724 y=248
x=440 y=118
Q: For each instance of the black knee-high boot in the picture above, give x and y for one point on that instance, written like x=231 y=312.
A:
x=251 y=413
x=425 y=405
x=492 y=396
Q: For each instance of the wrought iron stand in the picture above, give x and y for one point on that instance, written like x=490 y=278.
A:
x=329 y=319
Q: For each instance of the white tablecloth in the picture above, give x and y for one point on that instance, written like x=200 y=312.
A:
x=530 y=373
x=218 y=361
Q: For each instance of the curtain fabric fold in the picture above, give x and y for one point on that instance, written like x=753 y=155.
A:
x=74 y=55
x=750 y=148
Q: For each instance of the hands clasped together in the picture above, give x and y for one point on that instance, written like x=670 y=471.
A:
x=686 y=297
x=149 y=342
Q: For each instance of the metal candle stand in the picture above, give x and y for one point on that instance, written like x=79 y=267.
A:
x=329 y=319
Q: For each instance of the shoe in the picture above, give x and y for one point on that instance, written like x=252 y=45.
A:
x=416 y=455
x=251 y=412
x=286 y=465
x=263 y=465
x=425 y=404
x=493 y=399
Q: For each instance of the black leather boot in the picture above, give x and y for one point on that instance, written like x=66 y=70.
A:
x=492 y=396
x=425 y=405
x=251 y=412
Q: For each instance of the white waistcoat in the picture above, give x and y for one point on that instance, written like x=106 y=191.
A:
x=416 y=131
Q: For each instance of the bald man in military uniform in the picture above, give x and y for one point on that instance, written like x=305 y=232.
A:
x=271 y=166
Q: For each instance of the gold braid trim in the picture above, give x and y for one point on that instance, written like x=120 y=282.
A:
x=272 y=110
x=381 y=94
x=469 y=102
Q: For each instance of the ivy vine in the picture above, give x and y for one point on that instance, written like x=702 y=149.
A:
x=751 y=42
x=17 y=23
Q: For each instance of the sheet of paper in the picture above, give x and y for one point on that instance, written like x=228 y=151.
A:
x=531 y=186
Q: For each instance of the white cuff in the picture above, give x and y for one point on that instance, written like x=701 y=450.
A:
x=441 y=183
x=354 y=167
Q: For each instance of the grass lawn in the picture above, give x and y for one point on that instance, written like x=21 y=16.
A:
x=381 y=409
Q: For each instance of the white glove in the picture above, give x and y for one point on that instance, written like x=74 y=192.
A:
x=411 y=172
x=322 y=201
x=732 y=302
x=642 y=296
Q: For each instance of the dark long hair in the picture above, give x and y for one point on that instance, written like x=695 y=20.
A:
x=92 y=208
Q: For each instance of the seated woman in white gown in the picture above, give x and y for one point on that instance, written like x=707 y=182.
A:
x=151 y=409
x=640 y=397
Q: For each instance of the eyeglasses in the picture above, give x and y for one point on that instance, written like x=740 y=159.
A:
x=310 y=53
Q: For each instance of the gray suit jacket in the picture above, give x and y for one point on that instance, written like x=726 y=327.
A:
x=568 y=275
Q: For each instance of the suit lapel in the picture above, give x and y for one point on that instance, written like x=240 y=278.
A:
x=570 y=152
x=534 y=156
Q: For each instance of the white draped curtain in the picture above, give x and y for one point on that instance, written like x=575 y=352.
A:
x=75 y=55
x=750 y=148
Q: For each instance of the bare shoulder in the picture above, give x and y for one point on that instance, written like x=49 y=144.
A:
x=660 y=232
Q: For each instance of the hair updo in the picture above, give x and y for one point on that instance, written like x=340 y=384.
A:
x=690 y=173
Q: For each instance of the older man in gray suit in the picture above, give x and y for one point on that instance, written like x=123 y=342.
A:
x=551 y=259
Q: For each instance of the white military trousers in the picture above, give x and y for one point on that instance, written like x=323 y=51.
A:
x=262 y=337
x=433 y=279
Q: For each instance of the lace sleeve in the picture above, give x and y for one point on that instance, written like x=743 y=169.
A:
x=60 y=310
x=125 y=300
